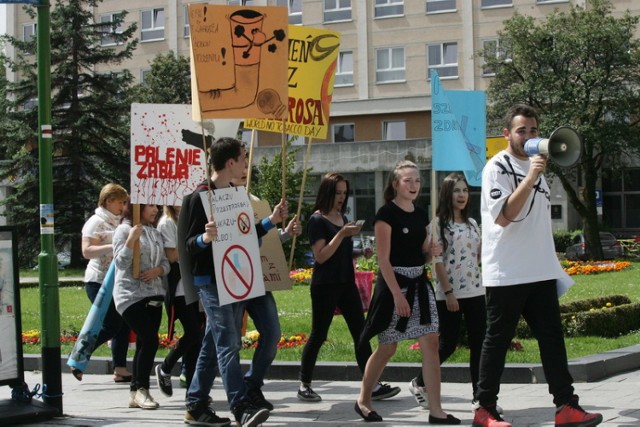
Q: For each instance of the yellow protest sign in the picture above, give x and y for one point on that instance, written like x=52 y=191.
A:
x=313 y=55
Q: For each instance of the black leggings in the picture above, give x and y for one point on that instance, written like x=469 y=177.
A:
x=324 y=300
x=143 y=317
x=188 y=346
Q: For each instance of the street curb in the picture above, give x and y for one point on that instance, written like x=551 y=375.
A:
x=585 y=369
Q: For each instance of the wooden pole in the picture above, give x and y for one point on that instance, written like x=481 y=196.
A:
x=301 y=196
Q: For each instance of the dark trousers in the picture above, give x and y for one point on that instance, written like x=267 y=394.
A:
x=188 y=346
x=324 y=300
x=538 y=304
x=144 y=319
x=114 y=328
x=474 y=312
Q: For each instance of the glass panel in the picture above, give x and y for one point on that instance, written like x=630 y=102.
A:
x=434 y=54
x=632 y=180
x=344 y=133
x=440 y=5
x=491 y=3
x=631 y=211
x=612 y=211
x=394 y=131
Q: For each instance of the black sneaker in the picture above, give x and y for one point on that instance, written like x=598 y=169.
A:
x=384 y=392
x=164 y=381
x=308 y=395
x=257 y=398
x=247 y=415
x=205 y=417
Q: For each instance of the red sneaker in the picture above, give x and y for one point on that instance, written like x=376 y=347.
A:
x=488 y=417
x=572 y=415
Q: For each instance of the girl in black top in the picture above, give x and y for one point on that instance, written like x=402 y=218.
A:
x=333 y=282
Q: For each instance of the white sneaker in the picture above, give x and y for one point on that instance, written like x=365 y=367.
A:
x=144 y=400
x=132 y=399
x=475 y=405
x=419 y=393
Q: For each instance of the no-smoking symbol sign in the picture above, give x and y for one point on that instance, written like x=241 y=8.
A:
x=237 y=272
x=244 y=223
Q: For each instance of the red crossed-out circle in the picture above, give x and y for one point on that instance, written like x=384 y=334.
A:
x=229 y=268
x=244 y=224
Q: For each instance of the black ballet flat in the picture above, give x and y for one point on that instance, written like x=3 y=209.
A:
x=77 y=373
x=450 y=420
x=373 y=416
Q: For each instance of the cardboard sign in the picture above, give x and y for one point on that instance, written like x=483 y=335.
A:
x=238 y=61
x=236 y=256
x=275 y=269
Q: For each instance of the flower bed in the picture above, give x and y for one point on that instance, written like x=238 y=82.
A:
x=593 y=267
x=250 y=340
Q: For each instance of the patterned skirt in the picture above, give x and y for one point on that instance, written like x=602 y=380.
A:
x=414 y=328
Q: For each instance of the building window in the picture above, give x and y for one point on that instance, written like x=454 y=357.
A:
x=390 y=65
x=29 y=34
x=551 y=1
x=344 y=69
x=443 y=58
x=295 y=10
x=437 y=6
x=621 y=199
x=389 y=8
x=144 y=74
x=344 y=132
x=395 y=130
x=109 y=30
x=240 y=2
x=152 y=27
x=491 y=49
x=186 y=29
x=496 y=3
x=337 y=10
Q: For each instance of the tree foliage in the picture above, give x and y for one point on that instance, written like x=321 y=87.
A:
x=267 y=185
x=90 y=122
x=167 y=82
x=580 y=68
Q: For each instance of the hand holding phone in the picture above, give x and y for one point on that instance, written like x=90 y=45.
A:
x=360 y=222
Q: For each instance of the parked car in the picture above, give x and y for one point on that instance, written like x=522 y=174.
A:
x=579 y=249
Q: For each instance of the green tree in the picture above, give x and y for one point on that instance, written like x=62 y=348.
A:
x=90 y=121
x=579 y=68
x=167 y=82
x=266 y=184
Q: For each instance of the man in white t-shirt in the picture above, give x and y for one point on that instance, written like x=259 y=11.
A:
x=522 y=274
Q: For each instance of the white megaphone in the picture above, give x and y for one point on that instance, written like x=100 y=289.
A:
x=564 y=146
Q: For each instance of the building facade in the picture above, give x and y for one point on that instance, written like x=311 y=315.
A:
x=381 y=109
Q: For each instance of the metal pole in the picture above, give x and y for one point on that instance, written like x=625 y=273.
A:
x=47 y=260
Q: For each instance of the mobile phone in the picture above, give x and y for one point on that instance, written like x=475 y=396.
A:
x=360 y=222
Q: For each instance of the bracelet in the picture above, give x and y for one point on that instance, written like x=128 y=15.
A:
x=449 y=292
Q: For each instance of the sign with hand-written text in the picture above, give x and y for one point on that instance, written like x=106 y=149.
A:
x=236 y=255
x=167 y=151
x=313 y=56
x=238 y=61
x=275 y=269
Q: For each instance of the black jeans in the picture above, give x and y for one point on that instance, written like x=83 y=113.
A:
x=324 y=300
x=538 y=304
x=188 y=346
x=144 y=319
x=474 y=311
x=114 y=328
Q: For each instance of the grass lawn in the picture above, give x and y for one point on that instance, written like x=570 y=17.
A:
x=294 y=309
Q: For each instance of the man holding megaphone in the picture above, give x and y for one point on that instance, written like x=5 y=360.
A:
x=520 y=270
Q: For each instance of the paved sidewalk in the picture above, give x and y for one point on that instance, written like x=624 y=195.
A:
x=98 y=401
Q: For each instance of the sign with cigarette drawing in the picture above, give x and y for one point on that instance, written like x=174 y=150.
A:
x=238 y=61
x=313 y=55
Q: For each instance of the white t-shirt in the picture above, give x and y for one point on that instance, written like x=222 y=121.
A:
x=169 y=231
x=460 y=259
x=522 y=252
x=100 y=226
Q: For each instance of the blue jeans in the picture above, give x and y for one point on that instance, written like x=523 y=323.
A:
x=264 y=313
x=220 y=351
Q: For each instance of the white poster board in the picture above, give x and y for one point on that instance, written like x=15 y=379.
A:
x=236 y=255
